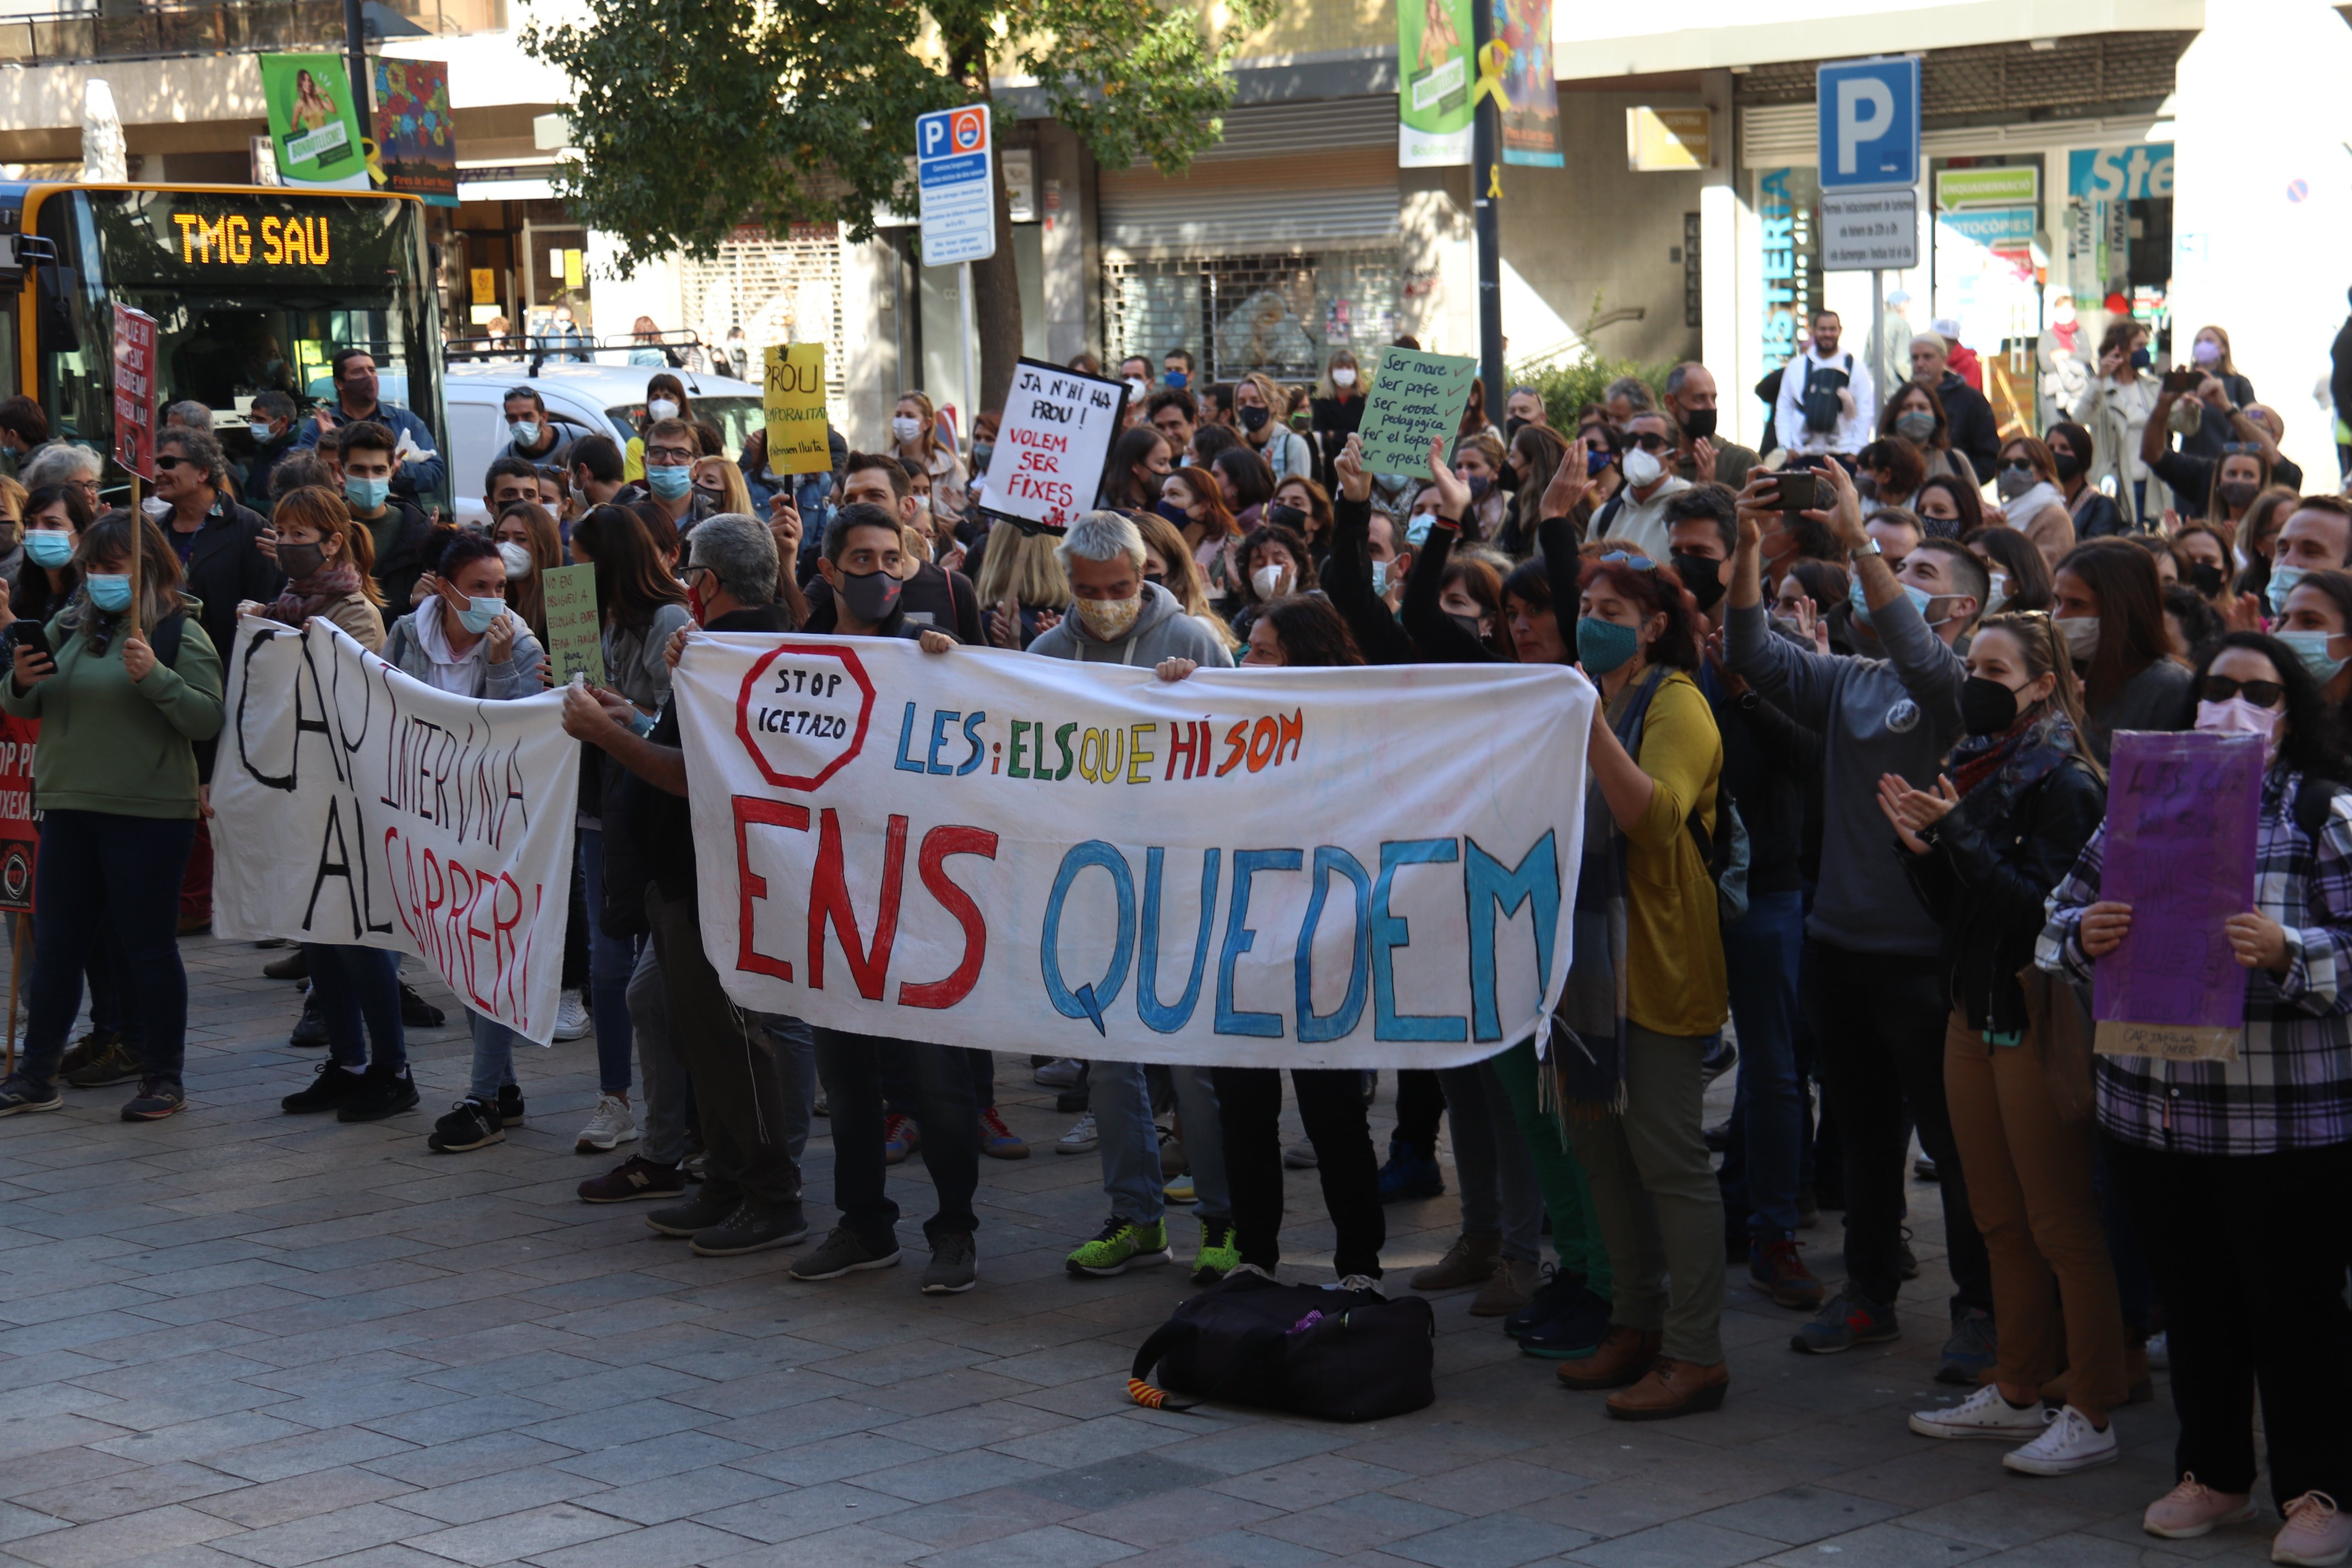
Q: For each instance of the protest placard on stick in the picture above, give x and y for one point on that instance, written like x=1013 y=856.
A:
x=1051 y=448
x=1415 y=397
x=575 y=640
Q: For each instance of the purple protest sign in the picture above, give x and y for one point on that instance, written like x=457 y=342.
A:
x=2182 y=809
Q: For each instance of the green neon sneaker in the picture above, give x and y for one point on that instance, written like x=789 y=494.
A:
x=1121 y=1242
x=1218 y=1255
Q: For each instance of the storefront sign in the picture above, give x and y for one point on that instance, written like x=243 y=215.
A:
x=1984 y=273
x=1530 y=103
x=1668 y=139
x=2016 y=185
x=1786 y=225
x=1433 y=44
x=2103 y=182
x=313 y=122
x=416 y=136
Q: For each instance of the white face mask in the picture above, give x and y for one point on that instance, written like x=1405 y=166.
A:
x=906 y=427
x=1267 y=580
x=518 y=559
x=1999 y=591
x=662 y=408
x=1643 y=469
x=1343 y=375
x=1136 y=387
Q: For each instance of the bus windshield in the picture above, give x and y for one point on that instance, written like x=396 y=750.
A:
x=251 y=293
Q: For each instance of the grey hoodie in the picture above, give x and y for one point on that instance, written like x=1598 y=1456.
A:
x=1162 y=631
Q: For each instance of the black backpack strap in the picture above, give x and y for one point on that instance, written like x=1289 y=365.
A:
x=1154 y=1350
x=166 y=639
x=2314 y=798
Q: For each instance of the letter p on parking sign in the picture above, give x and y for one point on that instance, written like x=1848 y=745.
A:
x=1869 y=123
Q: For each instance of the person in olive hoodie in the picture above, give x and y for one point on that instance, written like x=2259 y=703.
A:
x=122 y=715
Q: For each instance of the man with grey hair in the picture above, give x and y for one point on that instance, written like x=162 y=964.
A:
x=1626 y=397
x=64 y=463
x=1701 y=456
x=193 y=414
x=1116 y=615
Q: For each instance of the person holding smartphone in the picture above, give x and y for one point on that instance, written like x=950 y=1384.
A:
x=2116 y=409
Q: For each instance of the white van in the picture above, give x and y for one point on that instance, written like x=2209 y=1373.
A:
x=583 y=398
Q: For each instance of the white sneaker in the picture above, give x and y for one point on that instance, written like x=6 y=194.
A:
x=1062 y=1072
x=572 y=1018
x=1360 y=1282
x=1984 y=1414
x=2070 y=1444
x=611 y=1125
x=1081 y=1139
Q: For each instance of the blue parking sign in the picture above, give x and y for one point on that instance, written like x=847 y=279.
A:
x=1869 y=123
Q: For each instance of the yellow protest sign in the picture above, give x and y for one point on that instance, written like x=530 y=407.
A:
x=796 y=407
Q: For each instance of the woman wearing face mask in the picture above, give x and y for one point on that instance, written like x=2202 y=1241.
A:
x=2116 y=408
x=116 y=776
x=720 y=484
x=1246 y=482
x=1916 y=415
x=2019 y=577
x=1140 y=463
x=1258 y=408
x=2201 y=554
x=1534 y=458
x=2096 y=515
x=2110 y=609
x=1949 y=507
x=1891 y=472
x=1023 y=583
x=1805 y=586
x=2257 y=539
x=2027 y=477
x=2225 y=1166
x=665 y=399
x=1168 y=563
x=1304 y=506
x=531 y=547
x=1194 y=503
x=2005 y=821
x=55 y=517
x=2209 y=351
x=915 y=438
x=1337 y=411
x=1271 y=564
x=2238 y=479
x=327 y=560
x=2317 y=625
x=1478 y=464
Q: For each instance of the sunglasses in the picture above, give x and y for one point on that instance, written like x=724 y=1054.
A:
x=162 y=461
x=1625 y=557
x=2261 y=693
x=1650 y=441
x=2241 y=449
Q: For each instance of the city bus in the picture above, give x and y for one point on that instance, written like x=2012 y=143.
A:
x=253 y=288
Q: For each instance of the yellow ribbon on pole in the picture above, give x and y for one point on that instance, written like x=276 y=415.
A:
x=1494 y=60
x=375 y=154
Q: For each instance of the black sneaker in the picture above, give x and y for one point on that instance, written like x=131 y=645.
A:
x=751 y=1228
x=470 y=1124
x=310 y=1028
x=510 y=1104
x=21 y=1096
x=1559 y=1290
x=381 y=1095
x=635 y=1177
x=1969 y=1353
x=1572 y=1332
x=295 y=965
x=330 y=1087
x=86 y=1050
x=1844 y=1321
x=703 y=1211
x=114 y=1063
x=416 y=1010
x=157 y=1098
x=842 y=1252
x=954 y=1267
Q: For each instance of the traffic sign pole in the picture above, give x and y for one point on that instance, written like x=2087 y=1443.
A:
x=971 y=354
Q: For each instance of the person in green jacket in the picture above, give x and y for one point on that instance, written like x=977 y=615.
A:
x=115 y=780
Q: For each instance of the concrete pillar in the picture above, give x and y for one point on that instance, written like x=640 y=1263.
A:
x=869 y=340
x=1727 y=304
x=1072 y=259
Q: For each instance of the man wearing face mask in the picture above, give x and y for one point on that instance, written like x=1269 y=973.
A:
x=1523 y=406
x=1875 y=952
x=670 y=451
x=2317 y=537
x=272 y=423
x=1976 y=435
x=401 y=532
x=422 y=469
x=1136 y=371
x=930 y=595
x=1700 y=455
x=531 y=433
x=1635 y=518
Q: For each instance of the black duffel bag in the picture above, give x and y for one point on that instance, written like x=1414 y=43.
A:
x=1344 y=1355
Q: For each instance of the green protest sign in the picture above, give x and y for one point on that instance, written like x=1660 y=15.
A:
x=1414 y=396
x=576 y=632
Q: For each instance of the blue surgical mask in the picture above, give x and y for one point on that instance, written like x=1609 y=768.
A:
x=1603 y=646
x=48 y=547
x=1178 y=379
x=2312 y=648
x=109 y=592
x=1380 y=577
x=669 y=483
x=1416 y=530
x=366 y=495
x=2282 y=581
x=525 y=432
x=1919 y=597
x=478 y=614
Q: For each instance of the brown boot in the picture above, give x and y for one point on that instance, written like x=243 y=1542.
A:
x=1624 y=1356
x=1673 y=1388
x=1511 y=1287
x=1470 y=1261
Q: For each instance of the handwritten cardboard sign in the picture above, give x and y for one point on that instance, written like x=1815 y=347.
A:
x=1415 y=397
x=794 y=400
x=2182 y=809
x=576 y=632
x=1053 y=445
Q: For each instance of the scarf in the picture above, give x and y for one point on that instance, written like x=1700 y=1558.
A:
x=2022 y=509
x=1585 y=1039
x=312 y=596
x=1992 y=771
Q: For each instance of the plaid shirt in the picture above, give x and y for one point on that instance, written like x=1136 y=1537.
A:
x=2291 y=1087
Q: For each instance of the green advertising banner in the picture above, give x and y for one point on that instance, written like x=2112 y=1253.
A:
x=1433 y=80
x=314 y=127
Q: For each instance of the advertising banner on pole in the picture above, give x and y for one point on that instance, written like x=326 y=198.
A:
x=356 y=807
x=1531 y=102
x=1051 y=447
x=1434 y=39
x=313 y=124
x=415 y=137
x=1089 y=860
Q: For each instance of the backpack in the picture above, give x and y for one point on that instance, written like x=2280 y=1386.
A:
x=1725 y=853
x=1820 y=403
x=1342 y=1355
x=2313 y=800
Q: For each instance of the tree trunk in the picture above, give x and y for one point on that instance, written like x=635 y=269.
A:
x=997 y=281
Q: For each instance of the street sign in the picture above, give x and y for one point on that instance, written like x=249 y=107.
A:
x=1869 y=123
x=955 y=172
x=1870 y=231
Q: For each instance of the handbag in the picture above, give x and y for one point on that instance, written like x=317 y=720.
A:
x=1343 y=1355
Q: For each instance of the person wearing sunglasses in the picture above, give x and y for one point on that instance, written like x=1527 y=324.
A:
x=220 y=543
x=1635 y=518
x=2225 y=1166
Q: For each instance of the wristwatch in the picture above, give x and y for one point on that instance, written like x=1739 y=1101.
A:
x=1868 y=547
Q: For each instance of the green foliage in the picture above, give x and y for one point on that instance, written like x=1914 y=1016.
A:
x=1568 y=386
x=694 y=116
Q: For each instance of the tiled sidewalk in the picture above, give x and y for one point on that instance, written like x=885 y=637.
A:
x=241 y=1338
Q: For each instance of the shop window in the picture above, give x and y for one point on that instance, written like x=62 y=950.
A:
x=759 y=291
x=1279 y=314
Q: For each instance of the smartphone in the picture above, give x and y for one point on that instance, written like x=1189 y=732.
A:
x=26 y=632
x=2183 y=380
x=1797 y=486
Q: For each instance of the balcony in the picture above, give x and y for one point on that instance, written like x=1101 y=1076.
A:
x=230 y=27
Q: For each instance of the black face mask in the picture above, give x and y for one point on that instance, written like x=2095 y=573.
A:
x=1703 y=575
x=1699 y=424
x=1288 y=517
x=870 y=595
x=1469 y=624
x=2069 y=466
x=1512 y=425
x=1252 y=418
x=1151 y=483
x=2206 y=578
x=299 y=561
x=1987 y=707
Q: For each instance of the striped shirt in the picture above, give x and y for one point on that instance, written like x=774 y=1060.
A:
x=2291 y=1087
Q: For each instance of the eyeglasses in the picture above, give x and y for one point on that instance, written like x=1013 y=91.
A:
x=2261 y=693
x=669 y=455
x=1623 y=558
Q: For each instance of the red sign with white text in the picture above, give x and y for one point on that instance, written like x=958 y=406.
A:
x=20 y=835
x=134 y=391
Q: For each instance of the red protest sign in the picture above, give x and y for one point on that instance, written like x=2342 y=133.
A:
x=134 y=391
x=20 y=835
x=1053 y=445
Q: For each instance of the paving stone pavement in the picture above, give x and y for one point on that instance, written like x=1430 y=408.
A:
x=237 y=1337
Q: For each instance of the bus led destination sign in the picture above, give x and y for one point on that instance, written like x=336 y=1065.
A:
x=298 y=241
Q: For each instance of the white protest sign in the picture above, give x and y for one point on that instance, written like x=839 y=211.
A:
x=1051 y=447
x=1263 y=868
x=357 y=807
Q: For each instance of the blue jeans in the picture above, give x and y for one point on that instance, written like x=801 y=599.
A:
x=109 y=990
x=611 y=961
x=99 y=872
x=1120 y=1098
x=494 y=1046
x=1760 y=956
x=357 y=985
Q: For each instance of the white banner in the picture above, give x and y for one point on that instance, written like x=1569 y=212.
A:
x=355 y=805
x=1266 y=868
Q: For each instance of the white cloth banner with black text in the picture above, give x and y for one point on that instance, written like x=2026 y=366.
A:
x=1269 y=868
x=355 y=805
